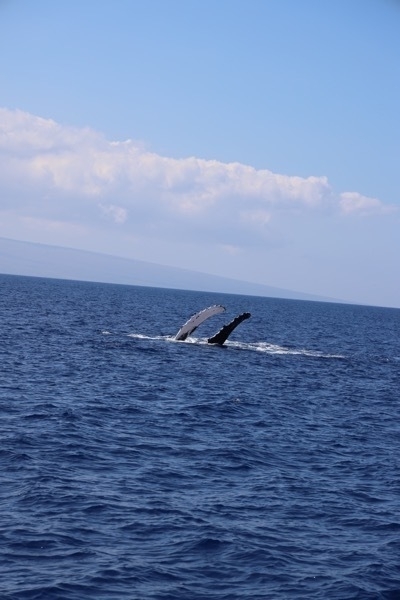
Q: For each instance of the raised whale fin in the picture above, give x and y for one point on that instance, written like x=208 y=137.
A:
x=225 y=332
x=197 y=319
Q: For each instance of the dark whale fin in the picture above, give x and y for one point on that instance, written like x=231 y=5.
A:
x=225 y=332
x=197 y=319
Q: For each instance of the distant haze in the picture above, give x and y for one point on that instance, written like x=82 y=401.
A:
x=41 y=260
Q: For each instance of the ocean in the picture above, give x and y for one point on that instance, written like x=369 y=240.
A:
x=134 y=466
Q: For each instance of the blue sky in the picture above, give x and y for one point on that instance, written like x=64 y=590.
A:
x=254 y=139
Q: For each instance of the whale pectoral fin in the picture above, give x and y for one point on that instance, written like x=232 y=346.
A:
x=196 y=320
x=223 y=334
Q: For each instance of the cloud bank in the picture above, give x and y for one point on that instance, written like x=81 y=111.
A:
x=59 y=176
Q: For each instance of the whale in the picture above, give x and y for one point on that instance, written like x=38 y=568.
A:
x=222 y=335
x=198 y=318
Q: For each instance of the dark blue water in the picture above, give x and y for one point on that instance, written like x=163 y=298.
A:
x=134 y=466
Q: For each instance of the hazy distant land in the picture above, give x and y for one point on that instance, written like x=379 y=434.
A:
x=40 y=260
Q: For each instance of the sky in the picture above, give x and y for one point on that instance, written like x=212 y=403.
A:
x=253 y=139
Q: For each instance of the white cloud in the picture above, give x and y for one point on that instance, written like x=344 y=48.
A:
x=117 y=213
x=353 y=202
x=75 y=176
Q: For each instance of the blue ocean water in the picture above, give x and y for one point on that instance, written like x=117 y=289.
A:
x=134 y=466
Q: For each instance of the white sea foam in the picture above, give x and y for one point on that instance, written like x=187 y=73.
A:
x=265 y=347
x=275 y=349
